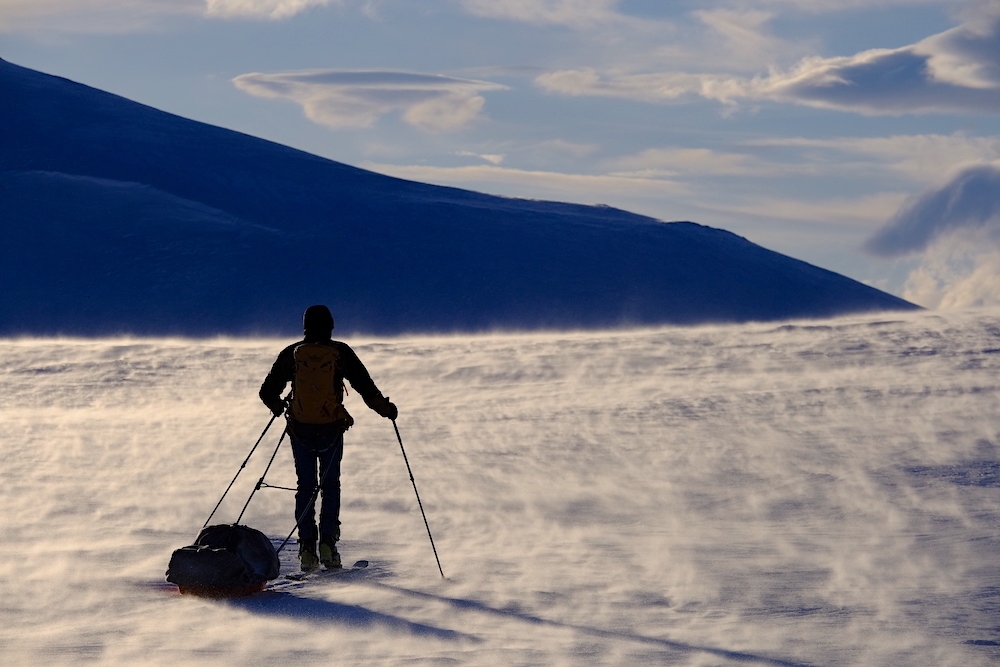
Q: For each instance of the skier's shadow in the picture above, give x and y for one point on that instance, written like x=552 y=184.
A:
x=287 y=605
x=735 y=656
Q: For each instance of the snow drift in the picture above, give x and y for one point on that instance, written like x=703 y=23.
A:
x=820 y=494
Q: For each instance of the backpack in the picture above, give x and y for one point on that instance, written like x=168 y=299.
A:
x=318 y=395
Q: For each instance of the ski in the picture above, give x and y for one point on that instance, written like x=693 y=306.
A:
x=303 y=576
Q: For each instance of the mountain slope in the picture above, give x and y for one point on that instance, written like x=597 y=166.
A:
x=122 y=218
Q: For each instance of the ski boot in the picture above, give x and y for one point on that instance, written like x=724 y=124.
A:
x=307 y=556
x=328 y=554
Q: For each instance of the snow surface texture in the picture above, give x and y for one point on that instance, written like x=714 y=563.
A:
x=118 y=218
x=822 y=493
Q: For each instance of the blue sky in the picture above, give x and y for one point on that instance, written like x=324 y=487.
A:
x=862 y=136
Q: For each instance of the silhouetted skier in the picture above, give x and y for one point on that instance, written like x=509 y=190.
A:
x=317 y=367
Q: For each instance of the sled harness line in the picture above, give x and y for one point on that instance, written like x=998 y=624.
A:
x=316 y=490
x=260 y=482
x=265 y=485
x=242 y=466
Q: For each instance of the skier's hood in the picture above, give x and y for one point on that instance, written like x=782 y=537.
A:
x=317 y=323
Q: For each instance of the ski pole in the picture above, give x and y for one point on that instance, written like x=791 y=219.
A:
x=417 y=493
x=242 y=466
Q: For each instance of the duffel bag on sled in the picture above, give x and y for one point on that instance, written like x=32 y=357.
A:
x=225 y=561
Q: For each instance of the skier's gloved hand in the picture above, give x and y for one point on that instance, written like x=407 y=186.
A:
x=386 y=408
x=277 y=408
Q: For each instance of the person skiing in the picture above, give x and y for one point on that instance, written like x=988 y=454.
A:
x=316 y=421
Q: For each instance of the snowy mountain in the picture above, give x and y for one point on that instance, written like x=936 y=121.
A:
x=118 y=217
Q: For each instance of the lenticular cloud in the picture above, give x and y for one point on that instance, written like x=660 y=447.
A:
x=342 y=98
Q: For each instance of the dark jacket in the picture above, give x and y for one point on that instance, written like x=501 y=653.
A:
x=349 y=368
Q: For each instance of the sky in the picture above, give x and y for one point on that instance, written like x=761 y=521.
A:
x=861 y=136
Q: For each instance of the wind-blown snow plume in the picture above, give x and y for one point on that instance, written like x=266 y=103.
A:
x=343 y=98
x=959 y=271
x=958 y=227
x=971 y=200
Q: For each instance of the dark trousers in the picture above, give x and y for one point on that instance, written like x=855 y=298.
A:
x=318 y=450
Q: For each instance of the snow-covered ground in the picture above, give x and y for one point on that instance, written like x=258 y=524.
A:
x=823 y=493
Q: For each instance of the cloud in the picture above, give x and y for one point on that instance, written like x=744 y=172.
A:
x=575 y=13
x=741 y=37
x=659 y=195
x=573 y=187
x=830 y=6
x=954 y=71
x=614 y=31
x=271 y=9
x=573 y=149
x=90 y=15
x=672 y=162
x=658 y=87
x=345 y=98
x=130 y=15
x=835 y=212
x=492 y=158
x=921 y=157
x=969 y=201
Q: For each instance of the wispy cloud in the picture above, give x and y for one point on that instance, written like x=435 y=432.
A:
x=954 y=71
x=129 y=15
x=270 y=9
x=492 y=158
x=572 y=187
x=345 y=98
x=833 y=212
x=741 y=37
x=90 y=15
x=576 y=13
x=830 y=6
x=645 y=192
x=563 y=147
x=674 y=162
x=924 y=158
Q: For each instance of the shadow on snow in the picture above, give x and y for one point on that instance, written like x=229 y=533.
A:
x=736 y=656
x=287 y=605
